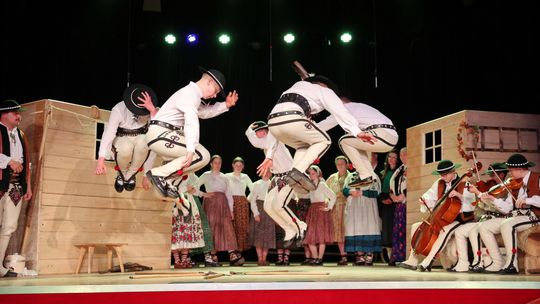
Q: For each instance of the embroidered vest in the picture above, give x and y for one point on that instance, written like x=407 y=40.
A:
x=532 y=189
x=5 y=174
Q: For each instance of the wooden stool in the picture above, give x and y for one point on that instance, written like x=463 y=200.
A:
x=83 y=248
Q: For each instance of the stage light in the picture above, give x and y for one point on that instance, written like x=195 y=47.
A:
x=224 y=39
x=288 y=38
x=192 y=38
x=170 y=39
x=345 y=37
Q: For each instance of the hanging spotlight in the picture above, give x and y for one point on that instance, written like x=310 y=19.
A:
x=192 y=38
x=288 y=38
x=170 y=39
x=224 y=39
x=346 y=37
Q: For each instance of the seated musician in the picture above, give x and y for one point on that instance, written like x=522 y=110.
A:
x=525 y=197
x=485 y=211
x=449 y=182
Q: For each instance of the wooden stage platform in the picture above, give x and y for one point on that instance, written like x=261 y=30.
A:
x=377 y=284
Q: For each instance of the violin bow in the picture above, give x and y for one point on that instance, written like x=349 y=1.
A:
x=475 y=165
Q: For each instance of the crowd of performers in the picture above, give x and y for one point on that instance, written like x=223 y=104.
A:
x=293 y=205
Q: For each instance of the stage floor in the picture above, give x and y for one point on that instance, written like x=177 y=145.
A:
x=349 y=277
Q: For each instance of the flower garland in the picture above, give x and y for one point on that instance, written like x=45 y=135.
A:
x=474 y=130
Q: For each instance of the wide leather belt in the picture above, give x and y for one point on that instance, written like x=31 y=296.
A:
x=131 y=132
x=384 y=126
x=166 y=125
x=278 y=114
x=297 y=99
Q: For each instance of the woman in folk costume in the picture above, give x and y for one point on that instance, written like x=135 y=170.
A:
x=336 y=182
x=125 y=135
x=218 y=205
x=239 y=182
x=319 y=220
x=398 y=194
x=187 y=229
x=386 y=205
x=362 y=225
x=262 y=228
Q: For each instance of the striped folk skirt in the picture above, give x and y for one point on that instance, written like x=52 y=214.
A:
x=320 y=228
x=263 y=233
x=339 y=221
x=241 y=221
x=219 y=217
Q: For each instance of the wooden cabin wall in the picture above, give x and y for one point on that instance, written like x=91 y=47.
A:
x=419 y=177
x=77 y=206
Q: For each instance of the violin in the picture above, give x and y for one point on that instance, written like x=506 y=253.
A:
x=501 y=189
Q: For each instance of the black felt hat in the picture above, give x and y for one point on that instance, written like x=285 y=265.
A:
x=518 y=161
x=218 y=77
x=10 y=105
x=132 y=102
x=324 y=80
x=259 y=125
x=445 y=166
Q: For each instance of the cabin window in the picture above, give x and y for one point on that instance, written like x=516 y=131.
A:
x=432 y=147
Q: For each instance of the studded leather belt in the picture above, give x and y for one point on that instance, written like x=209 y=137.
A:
x=166 y=125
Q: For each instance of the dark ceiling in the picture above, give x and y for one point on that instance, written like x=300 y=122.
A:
x=451 y=54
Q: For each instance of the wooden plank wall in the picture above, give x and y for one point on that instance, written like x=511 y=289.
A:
x=78 y=206
x=419 y=177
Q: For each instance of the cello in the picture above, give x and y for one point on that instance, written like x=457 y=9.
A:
x=444 y=212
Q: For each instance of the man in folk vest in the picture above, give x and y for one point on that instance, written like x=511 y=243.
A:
x=14 y=175
x=447 y=181
x=527 y=208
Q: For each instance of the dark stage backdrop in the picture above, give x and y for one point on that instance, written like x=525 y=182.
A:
x=450 y=54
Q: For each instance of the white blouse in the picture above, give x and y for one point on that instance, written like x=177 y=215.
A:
x=239 y=183
x=322 y=194
x=216 y=182
x=260 y=188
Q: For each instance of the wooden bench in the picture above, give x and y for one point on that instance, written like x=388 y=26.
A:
x=90 y=247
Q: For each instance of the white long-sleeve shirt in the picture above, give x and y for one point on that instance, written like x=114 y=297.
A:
x=120 y=117
x=216 y=182
x=15 y=148
x=239 y=183
x=364 y=114
x=323 y=193
x=184 y=108
x=319 y=99
x=506 y=205
x=431 y=198
x=260 y=188
x=281 y=159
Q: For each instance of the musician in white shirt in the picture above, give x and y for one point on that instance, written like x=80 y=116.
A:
x=174 y=131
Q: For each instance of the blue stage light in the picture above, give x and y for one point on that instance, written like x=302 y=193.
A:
x=192 y=38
